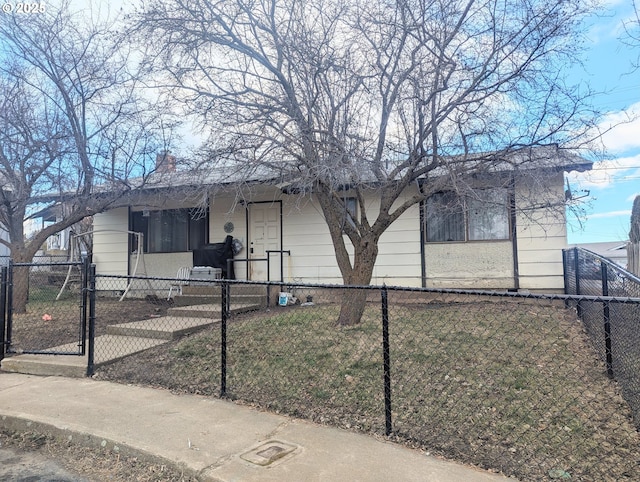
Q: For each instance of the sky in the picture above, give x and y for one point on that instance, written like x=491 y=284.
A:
x=614 y=182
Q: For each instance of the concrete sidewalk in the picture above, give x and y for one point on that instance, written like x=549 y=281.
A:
x=211 y=438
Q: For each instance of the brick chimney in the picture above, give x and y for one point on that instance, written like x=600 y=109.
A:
x=165 y=162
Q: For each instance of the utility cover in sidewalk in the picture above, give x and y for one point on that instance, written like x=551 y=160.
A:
x=268 y=452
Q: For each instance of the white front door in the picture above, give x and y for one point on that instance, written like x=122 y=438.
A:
x=264 y=234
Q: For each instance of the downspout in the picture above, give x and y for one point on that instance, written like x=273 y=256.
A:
x=514 y=235
x=129 y=228
x=423 y=264
x=282 y=244
x=246 y=230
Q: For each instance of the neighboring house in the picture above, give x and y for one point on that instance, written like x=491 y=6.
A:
x=616 y=251
x=4 y=250
x=57 y=244
x=484 y=243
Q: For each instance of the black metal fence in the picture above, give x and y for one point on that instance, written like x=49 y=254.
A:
x=40 y=259
x=505 y=381
x=613 y=324
x=43 y=308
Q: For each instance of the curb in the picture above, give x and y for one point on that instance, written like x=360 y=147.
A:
x=67 y=435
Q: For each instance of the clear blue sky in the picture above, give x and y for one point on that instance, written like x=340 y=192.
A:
x=613 y=183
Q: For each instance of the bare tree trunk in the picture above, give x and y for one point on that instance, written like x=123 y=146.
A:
x=20 y=280
x=20 y=289
x=352 y=305
x=353 y=301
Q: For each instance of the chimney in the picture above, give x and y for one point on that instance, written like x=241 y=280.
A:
x=165 y=162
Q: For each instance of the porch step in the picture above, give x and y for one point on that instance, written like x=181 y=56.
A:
x=199 y=299
x=209 y=310
x=163 y=328
x=216 y=290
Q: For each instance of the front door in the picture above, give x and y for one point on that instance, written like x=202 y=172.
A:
x=264 y=235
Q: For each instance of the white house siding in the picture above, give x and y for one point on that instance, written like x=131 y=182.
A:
x=487 y=265
x=313 y=259
x=306 y=235
x=475 y=265
x=5 y=253
x=399 y=251
x=111 y=247
x=542 y=235
x=540 y=252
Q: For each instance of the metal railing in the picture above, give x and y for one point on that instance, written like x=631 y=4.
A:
x=37 y=316
x=612 y=319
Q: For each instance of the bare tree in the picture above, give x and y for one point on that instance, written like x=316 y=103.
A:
x=631 y=35
x=75 y=128
x=371 y=97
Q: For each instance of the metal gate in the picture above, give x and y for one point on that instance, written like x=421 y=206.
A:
x=44 y=308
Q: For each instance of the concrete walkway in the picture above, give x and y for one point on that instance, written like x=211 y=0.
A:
x=213 y=439
x=122 y=340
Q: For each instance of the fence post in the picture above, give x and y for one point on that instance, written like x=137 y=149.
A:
x=607 y=321
x=9 y=304
x=386 y=360
x=269 y=280
x=565 y=271
x=576 y=270
x=92 y=319
x=223 y=336
x=3 y=307
x=84 y=306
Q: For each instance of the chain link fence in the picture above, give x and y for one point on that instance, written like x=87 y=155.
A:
x=40 y=259
x=504 y=381
x=613 y=324
x=43 y=308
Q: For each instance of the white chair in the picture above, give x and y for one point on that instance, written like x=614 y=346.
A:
x=182 y=279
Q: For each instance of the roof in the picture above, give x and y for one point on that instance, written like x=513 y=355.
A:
x=549 y=157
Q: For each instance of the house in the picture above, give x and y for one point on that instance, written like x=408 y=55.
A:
x=503 y=237
x=57 y=247
x=615 y=251
x=5 y=253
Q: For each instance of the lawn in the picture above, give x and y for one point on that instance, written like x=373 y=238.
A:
x=508 y=386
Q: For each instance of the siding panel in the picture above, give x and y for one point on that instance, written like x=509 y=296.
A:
x=111 y=247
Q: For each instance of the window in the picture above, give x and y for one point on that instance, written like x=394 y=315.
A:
x=171 y=230
x=445 y=218
x=351 y=210
x=480 y=217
